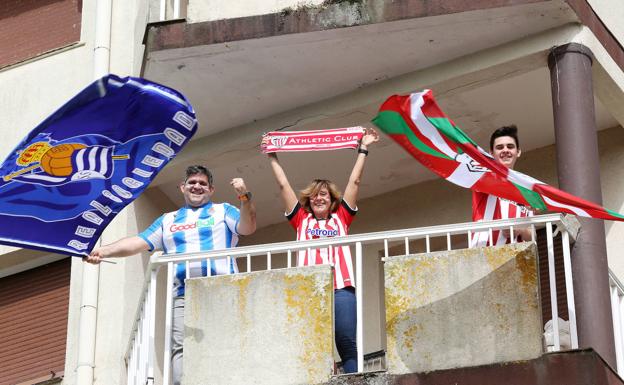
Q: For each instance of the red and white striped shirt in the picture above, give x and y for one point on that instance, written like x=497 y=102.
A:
x=308 y=227
x=486 y=207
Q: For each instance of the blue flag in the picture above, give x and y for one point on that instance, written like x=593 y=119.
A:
x=65 y=182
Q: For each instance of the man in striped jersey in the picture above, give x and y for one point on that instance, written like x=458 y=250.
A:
x=505 y=148
x=200 y=225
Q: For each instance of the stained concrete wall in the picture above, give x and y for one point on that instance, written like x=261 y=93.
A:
x=271 y=327
x=461 y=308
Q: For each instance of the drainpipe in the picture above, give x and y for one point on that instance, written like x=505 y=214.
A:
x=101 y=51
x=91 y=273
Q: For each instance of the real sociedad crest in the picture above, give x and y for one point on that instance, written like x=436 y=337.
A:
x=52 y=165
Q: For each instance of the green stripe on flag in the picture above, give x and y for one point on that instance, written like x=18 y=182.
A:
x=614 y=213
x=392 y=123
x=533 y=199
x=452 y=132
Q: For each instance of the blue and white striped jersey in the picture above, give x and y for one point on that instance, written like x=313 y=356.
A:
x=210 y=227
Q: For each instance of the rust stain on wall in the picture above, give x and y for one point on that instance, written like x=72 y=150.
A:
x=526 y=264
x=497 y=257
x=241 y=282
x=308 y=303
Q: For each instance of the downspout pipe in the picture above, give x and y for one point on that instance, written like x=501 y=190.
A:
x=91 y=273
x=101 y=50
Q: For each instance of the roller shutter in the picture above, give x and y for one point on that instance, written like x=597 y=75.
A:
x=33 y=323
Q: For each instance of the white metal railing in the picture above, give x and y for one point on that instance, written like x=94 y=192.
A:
x=170 y=9
x=617 y=310
x=141 y=353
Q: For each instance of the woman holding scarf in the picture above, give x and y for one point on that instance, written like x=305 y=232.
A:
x=321 y=211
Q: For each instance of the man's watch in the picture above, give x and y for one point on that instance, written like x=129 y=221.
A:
x=246 y=197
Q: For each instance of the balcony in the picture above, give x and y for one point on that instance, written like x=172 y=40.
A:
x=148 y=349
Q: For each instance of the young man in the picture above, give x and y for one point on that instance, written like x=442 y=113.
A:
x=505 y=148
x=200 y=225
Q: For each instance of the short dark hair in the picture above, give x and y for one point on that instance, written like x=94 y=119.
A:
x=197 y=169
x=510 y=130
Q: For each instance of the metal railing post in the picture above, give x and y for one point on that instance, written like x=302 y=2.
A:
x=152 y=327
x=140 y=351
x=132 y=365
x=553 y=286
x=359 y=306
x=163 y=10
x=620 y=310
x=617 y=332
x=617 y=309
x=567 y=268
x=386 y=251
x=176 y=9
x=168 y=324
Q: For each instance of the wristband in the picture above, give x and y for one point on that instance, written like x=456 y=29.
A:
x=363 y=151
x=246 y=197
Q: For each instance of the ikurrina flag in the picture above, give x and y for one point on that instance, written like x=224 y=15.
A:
x=81 y=166
x=417 y=124
x=332 y=139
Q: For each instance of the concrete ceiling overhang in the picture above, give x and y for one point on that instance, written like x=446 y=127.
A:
x=487 y=67
x=236 y=82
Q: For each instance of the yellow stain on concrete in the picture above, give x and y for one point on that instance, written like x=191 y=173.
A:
x=399 y=277
x=194 y=311
x=500 y=309
x=405 y=275
x=497 y=257
x=309 y=311
x=527 y=266
x=241 y=282
x=397 y=307
x=409 y=335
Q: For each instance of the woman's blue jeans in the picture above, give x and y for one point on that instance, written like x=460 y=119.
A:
x=345 y=326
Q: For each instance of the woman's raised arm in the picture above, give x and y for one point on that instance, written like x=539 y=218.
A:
x=289 y=198
x=353 y=185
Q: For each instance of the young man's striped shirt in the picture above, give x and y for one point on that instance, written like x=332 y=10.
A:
x=487 y=207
